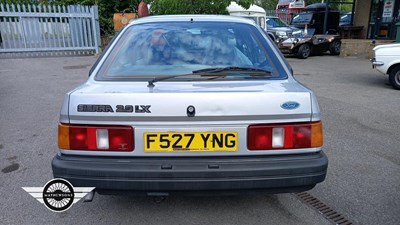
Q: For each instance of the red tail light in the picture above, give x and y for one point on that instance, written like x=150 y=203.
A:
x=284 y=136
x=97 y=138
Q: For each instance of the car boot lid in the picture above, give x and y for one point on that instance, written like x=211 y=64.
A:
x=236 y=101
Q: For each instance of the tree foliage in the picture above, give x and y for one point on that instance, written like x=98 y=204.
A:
x=161 y=7
x=267 y=4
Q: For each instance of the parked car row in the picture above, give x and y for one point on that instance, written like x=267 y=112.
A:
x=287 y=36
x=304 y=36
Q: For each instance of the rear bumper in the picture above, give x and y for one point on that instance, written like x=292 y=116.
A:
x=275 y=174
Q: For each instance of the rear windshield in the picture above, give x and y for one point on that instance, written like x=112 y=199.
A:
x=173 y=48
x=275 y=22
x=302 y=18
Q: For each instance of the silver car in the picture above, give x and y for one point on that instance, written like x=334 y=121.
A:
x=191 y=103
x=278 y=30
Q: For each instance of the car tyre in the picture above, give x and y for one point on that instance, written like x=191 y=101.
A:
x=304 y=51
x=334 y=47
x=394 y=77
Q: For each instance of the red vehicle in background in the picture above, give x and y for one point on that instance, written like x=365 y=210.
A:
x=286 y=8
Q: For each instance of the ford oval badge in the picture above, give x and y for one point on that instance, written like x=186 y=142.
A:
x=290 y=105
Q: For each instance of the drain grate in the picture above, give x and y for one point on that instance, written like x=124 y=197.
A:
x=325 y=210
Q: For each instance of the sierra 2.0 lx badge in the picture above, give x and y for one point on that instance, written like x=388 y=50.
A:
x=118 y=108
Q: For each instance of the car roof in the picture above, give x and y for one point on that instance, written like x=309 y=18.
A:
x=181 y=18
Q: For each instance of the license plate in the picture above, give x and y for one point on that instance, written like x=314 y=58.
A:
x=190 y=141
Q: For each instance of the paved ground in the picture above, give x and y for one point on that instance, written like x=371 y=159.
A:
x=361 y=118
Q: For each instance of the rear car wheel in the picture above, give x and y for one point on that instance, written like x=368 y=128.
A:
x=394 y=77
x=304 y=51
x=334 y=47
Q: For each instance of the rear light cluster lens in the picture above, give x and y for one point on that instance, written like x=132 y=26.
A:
x=284 y=136
x=97 y=138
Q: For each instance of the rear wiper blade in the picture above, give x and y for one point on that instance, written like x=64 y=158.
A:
x=208 y=71
x=231 y=68
x=152 y=81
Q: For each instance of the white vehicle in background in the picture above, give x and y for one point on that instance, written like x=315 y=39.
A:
x=386 y=59
x=255 y=13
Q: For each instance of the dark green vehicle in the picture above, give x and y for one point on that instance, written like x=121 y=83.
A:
x=314 y=17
